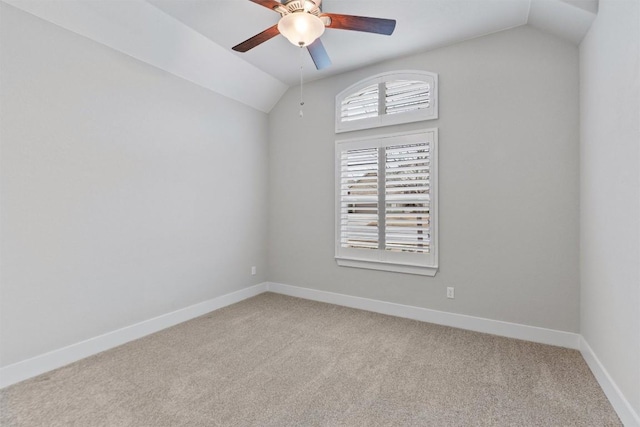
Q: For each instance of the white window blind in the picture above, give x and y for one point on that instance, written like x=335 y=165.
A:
x=359 y=199
x=387 y=99
x=405 y=96
x=407 y=197
x=386 y=202
x=361 y=104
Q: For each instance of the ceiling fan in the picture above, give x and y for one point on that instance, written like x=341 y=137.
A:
x=302 y=22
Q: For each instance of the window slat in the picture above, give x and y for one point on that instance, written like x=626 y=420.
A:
x=359 y=199
x=406 y=96
x=360 y=105
x=407 y=195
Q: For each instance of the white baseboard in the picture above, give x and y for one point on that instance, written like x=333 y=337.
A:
x=627 y=415
x=478 y=324
x=29 y=368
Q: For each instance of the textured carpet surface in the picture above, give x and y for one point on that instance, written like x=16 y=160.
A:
x=274 y=360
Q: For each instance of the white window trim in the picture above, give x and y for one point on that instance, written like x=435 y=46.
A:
x=382 y=119
x=348 y=257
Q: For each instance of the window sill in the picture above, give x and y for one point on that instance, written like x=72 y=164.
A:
x=386 y=266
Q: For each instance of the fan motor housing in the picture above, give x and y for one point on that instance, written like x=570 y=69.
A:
x=293 y=6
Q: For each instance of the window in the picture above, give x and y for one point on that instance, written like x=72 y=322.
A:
x=386 y=202
x=387 y=99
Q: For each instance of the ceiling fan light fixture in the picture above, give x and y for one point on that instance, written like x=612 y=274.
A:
x=301 y=28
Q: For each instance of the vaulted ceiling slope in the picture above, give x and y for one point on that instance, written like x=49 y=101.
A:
x=193 y=39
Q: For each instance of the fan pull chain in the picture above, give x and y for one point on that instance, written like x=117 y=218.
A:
x=301 y=83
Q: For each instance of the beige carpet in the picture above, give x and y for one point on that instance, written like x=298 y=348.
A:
x=278 y=361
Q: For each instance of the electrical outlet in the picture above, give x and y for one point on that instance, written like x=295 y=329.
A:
x=450 y=292
x=253 y=270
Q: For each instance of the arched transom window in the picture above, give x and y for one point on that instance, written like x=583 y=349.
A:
x=388 y=99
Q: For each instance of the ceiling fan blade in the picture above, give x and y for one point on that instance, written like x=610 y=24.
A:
x=257 y=39
x=269 y=4
x=319 y=54
x=361 y=23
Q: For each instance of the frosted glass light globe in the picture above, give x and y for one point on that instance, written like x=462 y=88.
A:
x=301 y=28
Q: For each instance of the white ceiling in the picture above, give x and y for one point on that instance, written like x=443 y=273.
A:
x=193 y=38
x=421 y=25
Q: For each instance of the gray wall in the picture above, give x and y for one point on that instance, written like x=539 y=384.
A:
x=508 y=184
x=127 y=193
x=610 y=193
